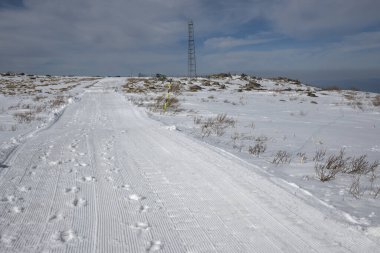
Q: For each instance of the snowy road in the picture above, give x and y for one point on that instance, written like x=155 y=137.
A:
x=105 y=178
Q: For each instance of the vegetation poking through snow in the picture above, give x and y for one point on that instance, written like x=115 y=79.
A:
x=282 y=157
x=326 y=170
x=216 y=125
x=260 y=146
x=227 y=90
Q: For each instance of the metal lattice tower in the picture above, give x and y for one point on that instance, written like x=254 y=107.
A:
x=192 y=67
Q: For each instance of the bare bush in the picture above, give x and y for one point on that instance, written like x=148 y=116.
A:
x=332 y=88
x=217 y=125
x=235 y=136
x=355 y=187
x=376 y=100
x=252 y=125
x=175 y=88
x=166 y=103
x=259 y=147
x=57 y=102
x=332 y=166
x=319 y=155
x=361 y=165
x=302 y=157
x=282 y=157
x=223 y=119
x=24 y=117
x=197 y=120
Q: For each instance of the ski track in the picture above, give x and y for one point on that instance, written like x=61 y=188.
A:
x=105 y=178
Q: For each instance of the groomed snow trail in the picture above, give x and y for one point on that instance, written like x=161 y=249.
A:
x=105 y=178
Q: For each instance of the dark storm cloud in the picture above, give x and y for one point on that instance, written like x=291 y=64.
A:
x=4 y=4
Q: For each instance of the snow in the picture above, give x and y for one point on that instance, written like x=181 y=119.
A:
x=292 y=121
x=105 y=177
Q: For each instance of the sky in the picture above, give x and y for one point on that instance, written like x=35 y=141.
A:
x=320 y=39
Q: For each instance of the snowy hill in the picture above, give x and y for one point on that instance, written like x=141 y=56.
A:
x=229 y=164
x=292 y=122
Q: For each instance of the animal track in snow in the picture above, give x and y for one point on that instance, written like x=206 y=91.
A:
x=79 y=202
x=64 y=236
x=154 y=246
x=135 y=197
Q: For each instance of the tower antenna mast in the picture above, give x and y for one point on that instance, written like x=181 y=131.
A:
x=192 y=67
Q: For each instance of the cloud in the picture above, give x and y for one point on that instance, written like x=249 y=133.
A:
x=356 y=52
x=314 y=18
x=230 y=42
x=363 y=41
x=118 y=36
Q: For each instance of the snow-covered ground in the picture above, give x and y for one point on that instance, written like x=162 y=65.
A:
x=104 y=177
x=30 y=103
x=285 y=116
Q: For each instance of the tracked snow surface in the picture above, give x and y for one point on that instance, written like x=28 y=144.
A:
x=107 y=178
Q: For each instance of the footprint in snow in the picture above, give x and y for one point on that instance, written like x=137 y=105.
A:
x=88 y=179
x=124 y=187
x=54 y=163
x=79 y=202
x=32 y=173
x=64 y=236
x=8 y=240
x=25 y=189
x=8 y=199
x=154 y=246
x=57 y=217
x=141 y=226
x=17 y=209
x=82 y=164
x=135 y=197
x=72 y=171
x=72 y=189
x=143 y=209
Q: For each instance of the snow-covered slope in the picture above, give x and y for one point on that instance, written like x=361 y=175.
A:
x=291 y=122
x=106 y=178
x=31 y=103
